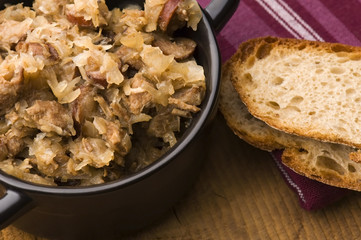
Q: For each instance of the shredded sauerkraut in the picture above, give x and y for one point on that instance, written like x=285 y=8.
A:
x=88 y=94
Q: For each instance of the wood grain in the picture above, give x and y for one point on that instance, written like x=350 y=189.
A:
x=240 y=194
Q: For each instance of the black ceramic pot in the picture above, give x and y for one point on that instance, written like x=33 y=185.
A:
x=104 y=211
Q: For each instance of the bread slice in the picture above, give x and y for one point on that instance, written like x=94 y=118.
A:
x=243 y=124
x=325 y=162
x=306 y=88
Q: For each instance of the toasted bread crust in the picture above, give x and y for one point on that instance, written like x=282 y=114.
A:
x=301 y=164
x=238 y=118
x=264 y=50
x=322 y=161
x=325 y=162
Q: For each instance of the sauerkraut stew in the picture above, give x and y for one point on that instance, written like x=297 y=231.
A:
x=89 y=95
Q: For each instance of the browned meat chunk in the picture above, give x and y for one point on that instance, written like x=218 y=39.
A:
x=12 y=142
x=33 y=48
x=78 y=20
x=188 y=98
x=84 y=105
x=10 y=89
x=15 y=140
x=14 y=145
x=181 y=48
x=38 y=49
x=167 y=13
x=51 y=116
x=192 y=95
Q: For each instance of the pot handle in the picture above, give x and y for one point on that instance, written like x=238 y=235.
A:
x=12 y=205
x=220 y=11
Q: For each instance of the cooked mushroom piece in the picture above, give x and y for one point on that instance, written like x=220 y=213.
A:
x=181 y=48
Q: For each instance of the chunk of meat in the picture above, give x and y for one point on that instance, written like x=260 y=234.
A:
x=78 y=20
x=33 y=48
x=188 y=99
x=167 y=13
x=12 y=142
x=38 y=49
x=193 y=95
x=181 y=48
x=84 y=105
x=51 y=116
x=10 y=89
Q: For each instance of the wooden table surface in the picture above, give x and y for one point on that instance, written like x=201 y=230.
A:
x=240 y=194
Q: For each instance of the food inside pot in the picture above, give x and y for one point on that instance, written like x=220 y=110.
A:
x=89 y=95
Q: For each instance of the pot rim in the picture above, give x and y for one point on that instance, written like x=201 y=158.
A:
x=187 y=138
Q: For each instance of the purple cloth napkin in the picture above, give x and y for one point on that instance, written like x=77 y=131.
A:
x=320 y=20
